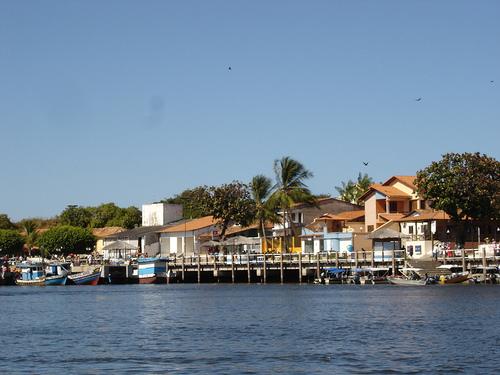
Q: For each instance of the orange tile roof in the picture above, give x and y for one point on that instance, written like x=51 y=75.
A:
x=389 y=191
x=195 y=224
x=425 y=215
x=407 y=180
x=351 y=215
x=389 y=216
x=106 y=231
x=238 y=229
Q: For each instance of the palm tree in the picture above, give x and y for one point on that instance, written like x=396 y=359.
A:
x=290 y=188
x=30 y=227
x=363 y=184
x=261 y=188
x=351 y=191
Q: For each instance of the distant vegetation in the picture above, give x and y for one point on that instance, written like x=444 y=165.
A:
x=351 y=191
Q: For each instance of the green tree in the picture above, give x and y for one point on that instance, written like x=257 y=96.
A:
x=351 y=191
x=104 y=214
x=11 y=242
x=5 y=222
x=194 y=202
x=290 y=188
x=129 y=218
x=66 y=239
x=230 y=203
x=261 y=189
x=76 y=216
x=30 y=227
x=465 y=186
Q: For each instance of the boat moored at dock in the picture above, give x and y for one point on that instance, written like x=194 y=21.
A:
x=90 y=277
x=32 y=274
x=151 y=270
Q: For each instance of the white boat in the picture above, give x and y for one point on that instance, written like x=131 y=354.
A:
x=410 y=278
x=406 y=282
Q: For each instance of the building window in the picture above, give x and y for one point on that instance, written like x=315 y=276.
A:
x=393 y=206
x=294 y=217
x=410 y=229
x=422 y=205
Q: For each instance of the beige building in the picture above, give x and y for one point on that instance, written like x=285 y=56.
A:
x=102 y=233
x=390 y=201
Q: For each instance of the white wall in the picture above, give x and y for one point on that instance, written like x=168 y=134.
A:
x=160 y=214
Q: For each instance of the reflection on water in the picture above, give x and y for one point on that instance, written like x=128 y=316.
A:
x=250 y=329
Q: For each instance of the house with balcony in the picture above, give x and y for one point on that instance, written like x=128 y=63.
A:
x=302 y=214
x=342 y=232
x=390 y=201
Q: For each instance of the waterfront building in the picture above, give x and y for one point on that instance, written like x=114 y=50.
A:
x=101 y=234
x=390 y=201
x=184 y=238
x=156 y=214
x=300 y=216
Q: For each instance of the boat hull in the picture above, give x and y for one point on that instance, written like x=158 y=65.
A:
x=56 y=280
x=406 y=282
x=147 y=280
x=85 y=279
x=37 y=282
x=455 y=280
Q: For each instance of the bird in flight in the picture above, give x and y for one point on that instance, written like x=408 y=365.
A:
x=365 y=163
x=492 y=81
x=229 y=68
x=418 y=99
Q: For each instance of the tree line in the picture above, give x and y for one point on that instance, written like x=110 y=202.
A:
x=465 y=186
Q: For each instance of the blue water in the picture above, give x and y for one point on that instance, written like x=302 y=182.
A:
x=250 y=329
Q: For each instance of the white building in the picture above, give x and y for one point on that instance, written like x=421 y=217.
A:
x=160 y=214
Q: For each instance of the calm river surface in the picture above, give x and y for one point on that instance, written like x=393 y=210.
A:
x=250 y=329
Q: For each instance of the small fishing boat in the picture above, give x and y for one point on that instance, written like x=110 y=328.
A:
x=406 y=282
x=32 y=274
x=90 y=277
x=410 y=278
x=332 y=276
x=456 y=275
x=151 y=270
x=56 y=273
x=376 y=275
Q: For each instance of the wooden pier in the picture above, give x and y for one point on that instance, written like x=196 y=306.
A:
x=297 y=267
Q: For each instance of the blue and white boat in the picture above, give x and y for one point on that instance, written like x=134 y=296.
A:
x=32 y=274
x=56 y=273
x=151 y=270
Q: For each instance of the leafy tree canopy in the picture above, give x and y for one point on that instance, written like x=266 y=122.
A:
x=193 y=202
x=230 y=203
x=11 y=242
x=66 y=239
x=351 y=191
x=5 y=222
x=463 y=185
x=105 y=215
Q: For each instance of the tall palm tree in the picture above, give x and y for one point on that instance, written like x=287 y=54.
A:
x=261 y=188
x=351 y=191
x=290 y=188
x=30 y=227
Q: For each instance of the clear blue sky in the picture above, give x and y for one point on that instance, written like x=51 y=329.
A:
x=133 y=101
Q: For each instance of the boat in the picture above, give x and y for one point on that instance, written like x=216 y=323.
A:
x=90 y=277
x=56 y=273
x=456 y=276
x=376 y=275
x=151 y=270
x=406 y=282
x=410 y=278
x=478 y=273
x=332 y=276
x=32 y=274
